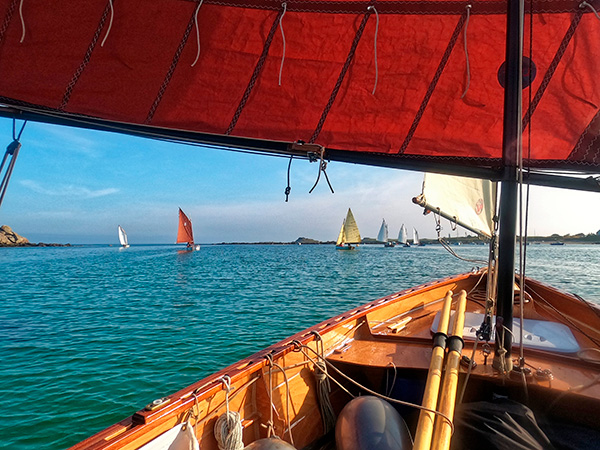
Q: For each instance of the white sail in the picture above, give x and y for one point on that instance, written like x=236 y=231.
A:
x=415 y=237
x=383 y=232
x=123 y=237
x=402 y=235
x=469 y=202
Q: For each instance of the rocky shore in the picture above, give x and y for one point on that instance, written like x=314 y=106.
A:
x=8 y=238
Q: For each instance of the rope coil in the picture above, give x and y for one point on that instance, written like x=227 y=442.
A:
x=228 y=427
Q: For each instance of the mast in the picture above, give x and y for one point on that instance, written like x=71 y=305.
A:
x=511 y=152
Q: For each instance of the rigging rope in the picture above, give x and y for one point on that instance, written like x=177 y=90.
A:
x=271 y=425
x=22 y=21
x=228 y=427
x=468 y=8
x=372 y=8
x=197 y=32
x=12 y=151
x=298 y=346
x=284 y=5
x=112 y=15
x=323 y=387
x=322 y=168
x=586 y=4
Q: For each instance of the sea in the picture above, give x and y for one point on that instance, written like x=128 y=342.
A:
x=91 y=334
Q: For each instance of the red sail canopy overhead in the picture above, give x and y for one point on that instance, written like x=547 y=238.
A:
x=185 y=235
x=412 y=80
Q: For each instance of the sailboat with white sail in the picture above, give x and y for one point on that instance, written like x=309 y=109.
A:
x=382 y=236
x=403 y=236
x=349 y=236
x=185 y=234
x=416 y=241
x=122 y=237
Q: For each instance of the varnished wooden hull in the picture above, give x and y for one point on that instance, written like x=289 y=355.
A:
x=371 y=345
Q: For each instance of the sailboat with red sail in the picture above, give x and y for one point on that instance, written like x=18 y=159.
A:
x=185 y=234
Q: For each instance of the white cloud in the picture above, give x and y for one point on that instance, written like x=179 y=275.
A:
x=68 y=190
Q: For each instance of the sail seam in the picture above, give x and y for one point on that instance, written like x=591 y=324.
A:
x=7 y=19
x=552 y=68
x=86 y=60
x=341 y=77
x=171 y=71
x=434 y=82
x=256 y=73
x=394 y=7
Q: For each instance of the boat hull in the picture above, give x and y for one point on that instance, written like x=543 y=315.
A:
x=364 y=343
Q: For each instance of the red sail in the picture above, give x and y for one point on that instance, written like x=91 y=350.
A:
x=393 y=81
x=184 y=233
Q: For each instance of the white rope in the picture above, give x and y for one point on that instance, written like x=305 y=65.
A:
x=228 y=427
x=467 y=52
x=197 y=32
x=22 y=21
x=584 y=4
x=112 y=15
x=375 y=47
x=283 y=39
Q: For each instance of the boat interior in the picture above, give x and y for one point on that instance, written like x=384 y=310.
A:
x=298 y=392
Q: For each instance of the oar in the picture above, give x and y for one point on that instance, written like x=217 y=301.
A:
x=434 y=376
x=443 y=429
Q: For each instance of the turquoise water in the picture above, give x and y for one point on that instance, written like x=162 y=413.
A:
x=92 y=334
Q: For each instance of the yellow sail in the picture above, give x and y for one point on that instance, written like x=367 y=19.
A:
x=342 y=237
x=352 y=235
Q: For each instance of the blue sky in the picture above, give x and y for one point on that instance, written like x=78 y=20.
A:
x=75 y=186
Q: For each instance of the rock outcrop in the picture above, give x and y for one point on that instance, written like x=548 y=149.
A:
x=8 y=238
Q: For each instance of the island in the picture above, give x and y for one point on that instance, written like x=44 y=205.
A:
x=8 y=238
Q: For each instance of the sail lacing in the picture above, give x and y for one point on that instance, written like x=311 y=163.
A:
x=112 y=15
x=197 y=32
x=468 y=83
x=22 y=21
x=228 y=427
x=372 y=8
x=255 y=74
x=284 y=5
x=586 y=4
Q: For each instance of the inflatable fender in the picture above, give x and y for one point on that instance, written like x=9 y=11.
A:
x=368 y=423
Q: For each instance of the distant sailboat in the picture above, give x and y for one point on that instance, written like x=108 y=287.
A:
x=349 y=233
x=383 y=235
x=403 y=236
x=416 y=241
x=123 y=237
x=185 y=233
